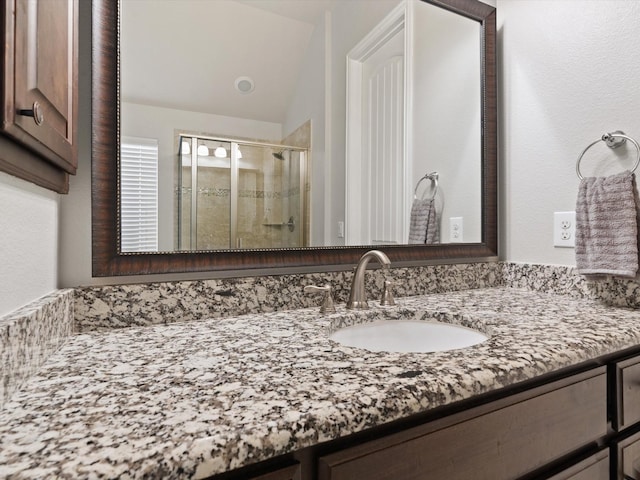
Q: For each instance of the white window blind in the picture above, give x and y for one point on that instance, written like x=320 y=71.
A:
x=138 y=194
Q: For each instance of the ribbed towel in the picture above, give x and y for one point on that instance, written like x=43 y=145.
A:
x=423 y=226
x=607 y=226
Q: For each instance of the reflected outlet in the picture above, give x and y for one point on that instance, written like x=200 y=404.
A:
x=456 y=230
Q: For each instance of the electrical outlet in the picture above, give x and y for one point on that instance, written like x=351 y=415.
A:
x=564 y=229
x=341 y=229
x=456 y=230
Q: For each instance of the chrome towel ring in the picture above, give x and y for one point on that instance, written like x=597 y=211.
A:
x=613 y=140
x=433 y=176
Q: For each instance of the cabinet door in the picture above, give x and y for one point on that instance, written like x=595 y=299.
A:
x=40 y=90
x=627 y=392
x=596 y=467
x=629 y=458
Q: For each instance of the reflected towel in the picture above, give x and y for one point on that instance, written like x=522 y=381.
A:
x=423 y=226
x=607 y=226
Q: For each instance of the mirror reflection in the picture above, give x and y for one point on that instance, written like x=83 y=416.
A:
x=283 y=124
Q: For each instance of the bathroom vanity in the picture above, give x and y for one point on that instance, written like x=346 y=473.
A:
x=551 y=394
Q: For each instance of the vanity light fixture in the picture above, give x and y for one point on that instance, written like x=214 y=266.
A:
x=220 y=152
x=185 y=148
x=244 y=85
x=203 y=151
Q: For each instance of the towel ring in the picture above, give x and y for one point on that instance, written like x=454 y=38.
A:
x=433 y=176
x=613 y=140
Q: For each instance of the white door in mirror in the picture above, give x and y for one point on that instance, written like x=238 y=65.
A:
x=407 y=336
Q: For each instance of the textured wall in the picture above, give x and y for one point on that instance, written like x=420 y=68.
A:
x=28 y=242
x=568 y=73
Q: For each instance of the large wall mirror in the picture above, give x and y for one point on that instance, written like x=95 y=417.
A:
x=253 y=134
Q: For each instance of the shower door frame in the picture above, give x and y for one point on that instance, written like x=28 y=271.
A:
x=234 y=166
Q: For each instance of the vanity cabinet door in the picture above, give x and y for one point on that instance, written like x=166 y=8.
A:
x=40 y=89
x=502 y=440
x=628 y=451
x=628 y=392
x=596 y=467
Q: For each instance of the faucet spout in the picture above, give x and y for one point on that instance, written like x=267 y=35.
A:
x=358 y=297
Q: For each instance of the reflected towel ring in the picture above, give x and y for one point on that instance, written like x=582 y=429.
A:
x=613 y=140
x=433 y=176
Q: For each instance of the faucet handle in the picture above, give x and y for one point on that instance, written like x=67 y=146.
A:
x=327 y=299
x=387 y=295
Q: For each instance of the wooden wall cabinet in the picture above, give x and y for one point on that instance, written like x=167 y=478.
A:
x=38 y=139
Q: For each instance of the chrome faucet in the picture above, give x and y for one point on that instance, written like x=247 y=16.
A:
x=358 y=297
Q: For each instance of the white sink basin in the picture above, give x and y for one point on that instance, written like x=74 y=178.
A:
x=408 y=336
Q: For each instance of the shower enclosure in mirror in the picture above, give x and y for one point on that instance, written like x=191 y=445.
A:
x=239 y=195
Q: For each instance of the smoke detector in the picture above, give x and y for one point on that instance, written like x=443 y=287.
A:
x=244 y=85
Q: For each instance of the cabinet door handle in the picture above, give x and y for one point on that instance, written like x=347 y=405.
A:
x=35 y=112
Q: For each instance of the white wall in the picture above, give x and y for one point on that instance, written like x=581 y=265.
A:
x=570 y=71
x=28 y=242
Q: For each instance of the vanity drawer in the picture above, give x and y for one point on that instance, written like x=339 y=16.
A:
x=288 y=473
x=628 y=392
x=501 y=440
x=629 y=458
x=596 y=467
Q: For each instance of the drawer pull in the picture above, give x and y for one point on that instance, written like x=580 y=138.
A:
x=35 y=112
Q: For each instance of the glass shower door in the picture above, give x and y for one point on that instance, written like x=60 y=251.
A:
x=269 y=206
x=238 y=195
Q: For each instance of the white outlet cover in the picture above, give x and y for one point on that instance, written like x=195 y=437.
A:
x=564 y=229
x=456 y=229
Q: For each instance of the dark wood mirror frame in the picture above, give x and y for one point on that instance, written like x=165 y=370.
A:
x=108 y=261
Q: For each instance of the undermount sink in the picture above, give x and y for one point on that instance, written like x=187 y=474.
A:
x=407 y=336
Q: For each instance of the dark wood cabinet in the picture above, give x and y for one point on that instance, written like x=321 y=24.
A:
x=287 y=473
x=628 y=458
x=40 y=91
x=505 y=439
x=582 y=424
x=596 y=467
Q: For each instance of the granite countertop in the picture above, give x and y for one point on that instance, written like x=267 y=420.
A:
x=197 y=398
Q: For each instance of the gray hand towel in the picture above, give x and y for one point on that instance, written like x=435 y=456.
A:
x=423 y=225
x=607 y=226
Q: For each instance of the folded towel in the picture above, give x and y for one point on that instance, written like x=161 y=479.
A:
x=423 y=225
x=607 y=226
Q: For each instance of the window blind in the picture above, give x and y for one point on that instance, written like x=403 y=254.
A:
x=138 y=194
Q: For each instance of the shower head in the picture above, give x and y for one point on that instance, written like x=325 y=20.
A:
x=279 y=155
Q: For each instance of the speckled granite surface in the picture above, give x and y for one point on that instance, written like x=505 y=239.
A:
x=564 y=280
x=116 y=306
x=29 y=335
x=192 y=399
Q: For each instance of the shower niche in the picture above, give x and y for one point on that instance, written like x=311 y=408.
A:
x=236 y=195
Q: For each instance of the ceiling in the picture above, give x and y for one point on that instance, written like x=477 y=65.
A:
x=187 y=54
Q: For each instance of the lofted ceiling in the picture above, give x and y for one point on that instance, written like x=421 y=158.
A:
x=187 y=54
